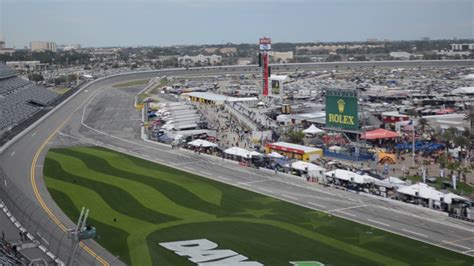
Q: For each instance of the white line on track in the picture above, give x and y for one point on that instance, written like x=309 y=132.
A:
x=225 y=178
x=266 y=190
x=317 y=205
x=346 y=213
x=348 y=208
x=415 y=233
x=287 y=196
x=13 y=153
x=206 y=173
x=252 y=182
x=469 y=251
x=188 y=168
x=457 y=245
x=377 y=222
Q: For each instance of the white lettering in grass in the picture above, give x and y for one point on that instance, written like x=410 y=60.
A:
x=204 y=253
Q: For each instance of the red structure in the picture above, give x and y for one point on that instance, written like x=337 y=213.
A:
x=265 y=74
x=265 y=46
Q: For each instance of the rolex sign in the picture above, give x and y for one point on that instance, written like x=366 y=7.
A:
x=342 y=110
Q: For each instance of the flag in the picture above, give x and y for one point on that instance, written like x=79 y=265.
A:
x=409 y=126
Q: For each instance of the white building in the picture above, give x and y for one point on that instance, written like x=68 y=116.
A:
x=4 y=50
x=201 y=59
x=283 y=57
x=462 y=46
x=37 y=46
x=25 y=65
x=400 y=55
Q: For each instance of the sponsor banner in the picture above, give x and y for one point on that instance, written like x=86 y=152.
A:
x=265 y=47
x=342 y=109
x=265 y=44
x=275 y=87
x=265 y=40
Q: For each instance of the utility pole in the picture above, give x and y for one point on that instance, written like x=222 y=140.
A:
x=413 y=142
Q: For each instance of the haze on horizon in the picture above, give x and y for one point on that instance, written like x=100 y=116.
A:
x=168 y=22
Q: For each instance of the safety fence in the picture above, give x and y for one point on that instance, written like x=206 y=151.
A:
x=41 y=231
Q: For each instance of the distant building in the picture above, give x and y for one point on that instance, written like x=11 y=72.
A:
x=37 y=46
x=283 y=57
x=228 y=51
x=462 y=47
x=400 y=55
x=4 y=50
x=70 y=47
x=335 y=47
x=199 y=59
x=105 y=51
x=453 y=53
x=26 y=65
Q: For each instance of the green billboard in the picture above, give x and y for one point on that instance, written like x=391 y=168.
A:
x=342 y=109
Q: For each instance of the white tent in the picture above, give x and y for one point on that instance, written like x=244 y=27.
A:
x=303 y=166
x=314 y=171
x=254 y=153
x=202 y=143
x=448 y=198
x=236 y=151
x=275 y=154
x=423 y=191
x=313 y=130
x=394 y=180
x=350 y=176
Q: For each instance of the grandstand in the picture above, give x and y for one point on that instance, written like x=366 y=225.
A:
x=20 y=99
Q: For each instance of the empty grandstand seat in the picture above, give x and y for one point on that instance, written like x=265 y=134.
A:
x=20 y=98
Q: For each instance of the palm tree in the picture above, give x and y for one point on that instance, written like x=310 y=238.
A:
x=453 y=166
x=448 y=136
x=423 y=123
x=463 y=170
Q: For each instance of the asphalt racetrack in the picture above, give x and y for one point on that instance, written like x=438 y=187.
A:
x=138 y=204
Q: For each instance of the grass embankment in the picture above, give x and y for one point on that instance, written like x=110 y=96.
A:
x=132 y=83
x=60 y=90
x=136 y=204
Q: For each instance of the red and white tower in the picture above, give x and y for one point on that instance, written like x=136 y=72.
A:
x=265 y=47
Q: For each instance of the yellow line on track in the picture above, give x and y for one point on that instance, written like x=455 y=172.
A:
x=40 y=198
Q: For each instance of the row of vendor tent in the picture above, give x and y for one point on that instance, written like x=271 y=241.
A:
x=419 y=191
x=364 y=179
x=350 y=177
x=423 y=191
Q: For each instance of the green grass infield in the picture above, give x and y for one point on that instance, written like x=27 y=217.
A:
x=136 y=205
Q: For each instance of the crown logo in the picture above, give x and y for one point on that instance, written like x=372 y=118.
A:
x=340 y=105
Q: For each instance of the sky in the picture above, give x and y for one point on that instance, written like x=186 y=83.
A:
x=102 y=23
